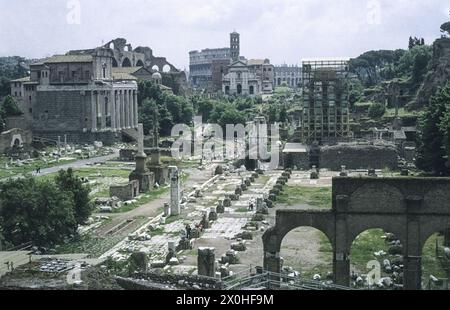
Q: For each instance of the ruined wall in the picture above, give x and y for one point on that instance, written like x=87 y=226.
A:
x=358 y=157
x=14 y=136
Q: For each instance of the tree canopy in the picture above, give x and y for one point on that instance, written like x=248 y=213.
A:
x=36 y=211
x=434 y=133
x=69 y=182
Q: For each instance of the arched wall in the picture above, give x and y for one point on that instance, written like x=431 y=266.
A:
x=411 y=208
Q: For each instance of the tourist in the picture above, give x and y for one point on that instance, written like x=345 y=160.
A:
x=188 y=231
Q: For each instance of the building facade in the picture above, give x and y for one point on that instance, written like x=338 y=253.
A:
x=204 y=67
x=249 y=77
x=290 y=76
x=79 y=96
x=326 y=115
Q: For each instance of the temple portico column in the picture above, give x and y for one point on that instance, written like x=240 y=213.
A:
x=130 y=109
x=102 y=110
x=122 y=110
x=112 y=96
x=93 y=112
x=136 y=110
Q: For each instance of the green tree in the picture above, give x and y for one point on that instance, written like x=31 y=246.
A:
x=377 y=110
x=67 y=181
x=431 y=155
x=36 y=211
x=444 y=125
x=146 y=111
x=445 y=28
x=10 y=107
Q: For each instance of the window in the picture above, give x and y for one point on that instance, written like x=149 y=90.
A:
x=29 y=97
x=30 y=110
x=15 y=94
x=87 y=74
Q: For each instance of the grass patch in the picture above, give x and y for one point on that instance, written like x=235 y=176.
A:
x=432 y=264
x=87 y=244
x=144 y=199
x=318 y=197
x=241 y=210
x=364 y=246
x=28 y=168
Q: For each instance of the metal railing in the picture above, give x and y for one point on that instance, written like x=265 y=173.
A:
x=256 y=278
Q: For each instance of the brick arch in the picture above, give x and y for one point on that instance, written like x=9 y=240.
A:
x=363 y=223
x=287 y=222
x=411 y=208
x=377 y=195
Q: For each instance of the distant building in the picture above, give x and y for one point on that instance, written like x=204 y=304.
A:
x=249 y=77
x=326 y=115
x=205 y=66
x=78 y=95
x=290 y=76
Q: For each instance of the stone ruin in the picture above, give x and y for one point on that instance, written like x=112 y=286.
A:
x=206 y=262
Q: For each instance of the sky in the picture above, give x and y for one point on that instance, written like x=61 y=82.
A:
x=285 y=31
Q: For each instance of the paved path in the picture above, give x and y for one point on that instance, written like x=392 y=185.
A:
x=78 y=164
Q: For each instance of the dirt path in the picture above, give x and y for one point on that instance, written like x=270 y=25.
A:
x=152 y=208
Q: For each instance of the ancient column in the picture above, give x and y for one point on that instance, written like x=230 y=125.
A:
x=122 y=109
x=130 y=108
x=132 y=125
x=102 y=111
x=136 y=109
x=93 y=112
x=118 y=123
x=112 y=96
x=206 y=262
x=174 y=191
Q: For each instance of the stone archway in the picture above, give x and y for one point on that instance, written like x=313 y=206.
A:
x=126 y=63
x=411 y=208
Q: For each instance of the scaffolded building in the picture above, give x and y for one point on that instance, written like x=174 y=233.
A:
x=326 y=115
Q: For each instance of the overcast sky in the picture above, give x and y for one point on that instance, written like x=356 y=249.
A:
x=283 y=30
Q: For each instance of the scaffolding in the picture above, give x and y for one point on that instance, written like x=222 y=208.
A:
x=326 y=115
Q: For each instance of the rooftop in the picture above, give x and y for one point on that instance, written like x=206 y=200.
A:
x=24 y=79
x=68 y=58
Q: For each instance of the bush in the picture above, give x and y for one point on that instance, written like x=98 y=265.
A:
x=377 y=110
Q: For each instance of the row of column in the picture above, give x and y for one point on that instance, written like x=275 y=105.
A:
x=120 y=105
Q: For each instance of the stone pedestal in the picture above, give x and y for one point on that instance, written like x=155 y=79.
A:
x=213 y=214
x=206 y=262
x=141 y=174
x=175 y=193
x=160 y=172
x=227 y=202
x=220 y=208
x=145 y=178
x=166 y=210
